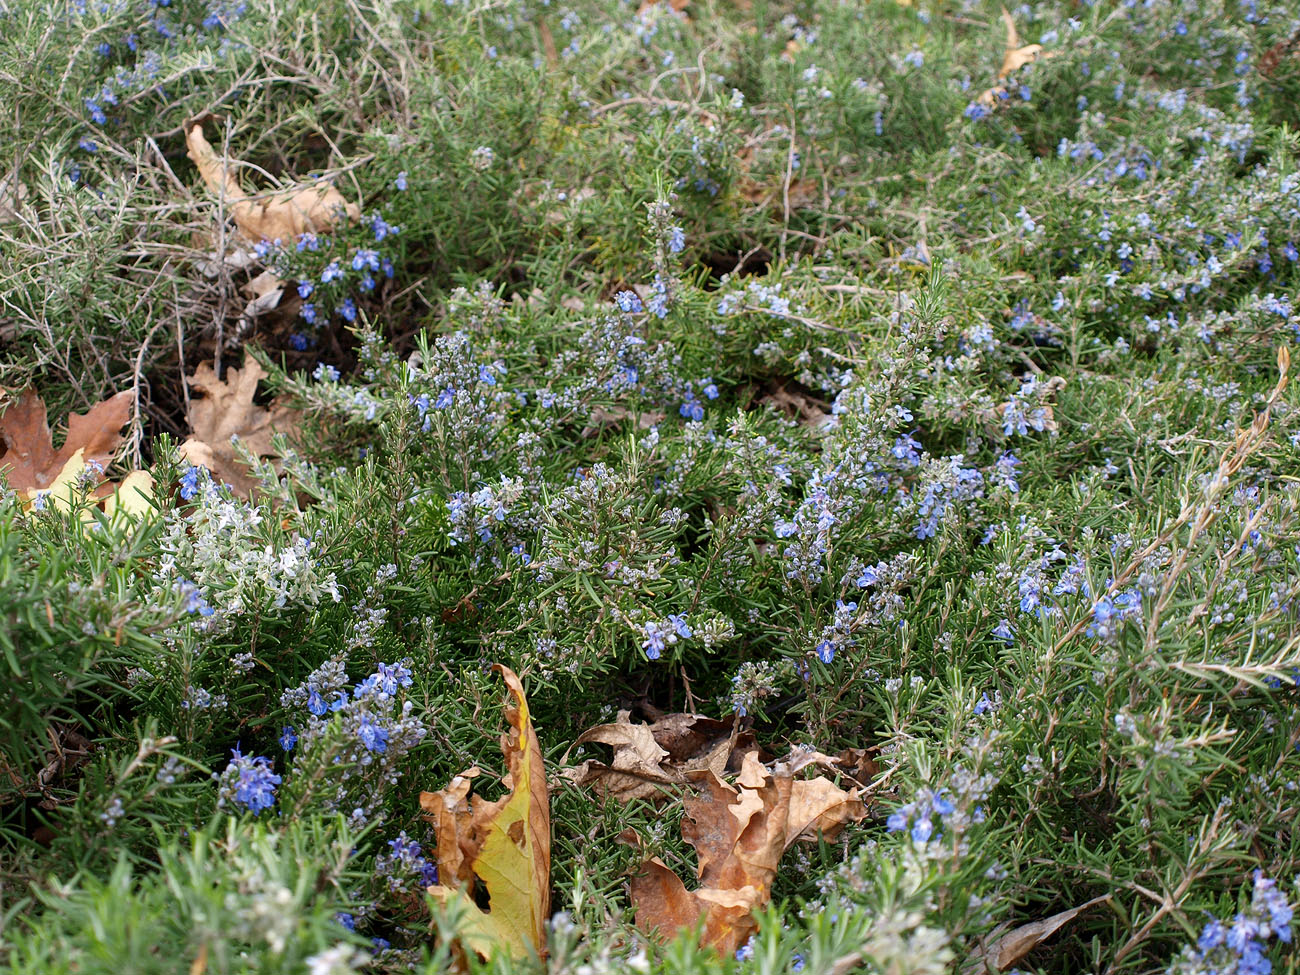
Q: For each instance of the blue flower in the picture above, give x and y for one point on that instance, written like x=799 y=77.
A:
x=400 y=182
x=249 y=781
x=372 y=735
x=316 y=703
x=628 y=301
x=826 y=651
x=288 y=738
x=365 y=258
x=655 y=640
x=189 y=482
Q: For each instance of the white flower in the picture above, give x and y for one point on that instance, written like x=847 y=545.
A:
x=340 y=960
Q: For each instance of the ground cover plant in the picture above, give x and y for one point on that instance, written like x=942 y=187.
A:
x=856 y=441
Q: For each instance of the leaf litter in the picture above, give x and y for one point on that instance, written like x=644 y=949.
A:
x=1014 y=57
x=739 y=834
x=73 y=473
x=647 y=758
x=278 y=215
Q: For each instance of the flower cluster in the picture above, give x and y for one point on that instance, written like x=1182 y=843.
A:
x=247 y=781
x=661 y=634
x=351 y=741
x=404 y=867
x=1237 y=948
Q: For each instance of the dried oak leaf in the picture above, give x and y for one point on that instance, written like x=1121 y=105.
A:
x=280 y=215
x=739 y=834
x=30 y=460
x=648 y=757
x=227 y=410
x=71 y=474
x=503 y=845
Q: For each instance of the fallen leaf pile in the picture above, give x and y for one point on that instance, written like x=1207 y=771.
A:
x=34 y=469
x=1015 y=57
x=668 y=752
x=225 y=410
x=504 y=846
x=739 y=834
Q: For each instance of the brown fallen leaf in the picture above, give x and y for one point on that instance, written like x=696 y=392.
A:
x=73 y=474
x=227 y=410
x=808 y=410
x=280 y=215
x=30 y=461
x=666 y=753
x=1014 y=57
x=678 y=6
x=739 y=834
x=502 y=848
x=1018 y=942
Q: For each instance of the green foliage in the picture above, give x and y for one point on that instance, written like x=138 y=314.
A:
x=740 y=361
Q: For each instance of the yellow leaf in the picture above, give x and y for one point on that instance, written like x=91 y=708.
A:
x=504 y=845
x=132 y=496
x=68 y=487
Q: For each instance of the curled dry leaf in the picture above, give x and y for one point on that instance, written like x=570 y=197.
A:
x=1013 y=945
x=505 y=845
x=1014 y=57
x=808 y=410
x=739 y=834
x=284 y=214
x=71 y=474
x=227 y=410
x=602 y=418
x=648 y=757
